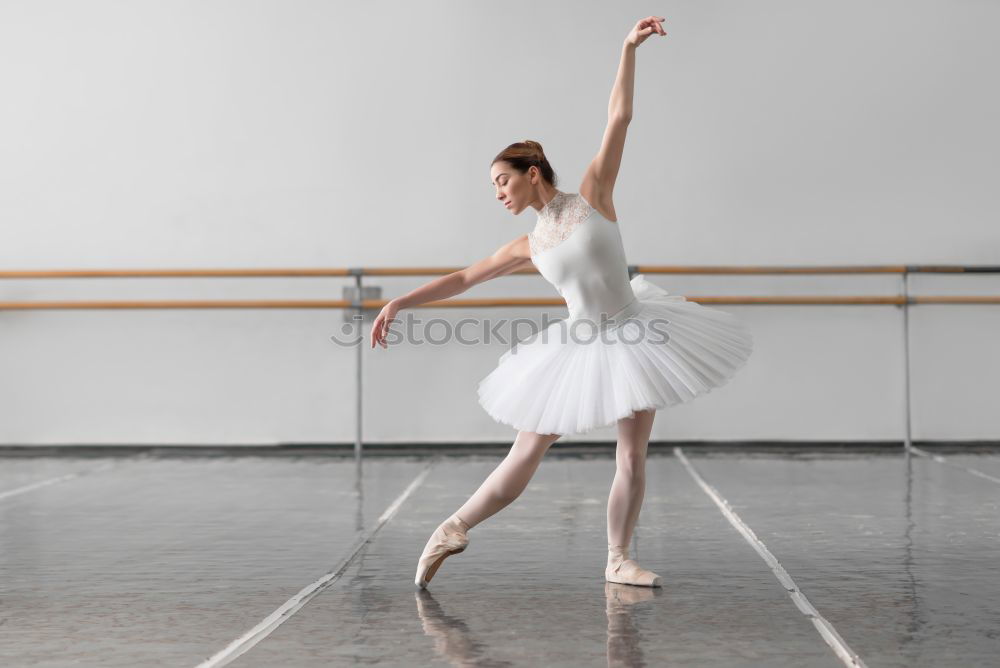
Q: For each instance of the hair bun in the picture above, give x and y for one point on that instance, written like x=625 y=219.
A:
x=537 y=148
x=526 y=154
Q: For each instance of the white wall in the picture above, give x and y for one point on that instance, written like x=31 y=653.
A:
x=325 y=134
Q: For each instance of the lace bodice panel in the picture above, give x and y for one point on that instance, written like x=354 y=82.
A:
x=557 y=220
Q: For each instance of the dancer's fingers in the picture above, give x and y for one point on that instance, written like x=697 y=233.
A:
x=655 y=23
x=651 y=24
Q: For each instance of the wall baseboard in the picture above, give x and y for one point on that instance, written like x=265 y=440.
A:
x=573 y=448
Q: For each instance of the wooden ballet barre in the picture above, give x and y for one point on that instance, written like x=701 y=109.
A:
x=799 y=300
x=733 y=269
x=956 y=269
x=177 y=304
x=358 y=272
x=956 y=299
x=173 y=273
x=818 y=269
x=424 y=271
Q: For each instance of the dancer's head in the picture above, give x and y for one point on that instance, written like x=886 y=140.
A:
x=521 y=174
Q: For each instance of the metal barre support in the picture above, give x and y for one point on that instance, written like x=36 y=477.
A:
x=906 y=360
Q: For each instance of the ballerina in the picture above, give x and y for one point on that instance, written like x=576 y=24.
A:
x=552 y=384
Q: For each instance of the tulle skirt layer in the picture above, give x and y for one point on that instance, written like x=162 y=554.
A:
x=668 y=352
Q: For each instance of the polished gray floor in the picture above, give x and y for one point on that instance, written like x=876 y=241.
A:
x=169 y=561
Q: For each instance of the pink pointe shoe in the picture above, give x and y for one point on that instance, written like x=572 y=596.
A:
x=623 y=570
x=448 y=539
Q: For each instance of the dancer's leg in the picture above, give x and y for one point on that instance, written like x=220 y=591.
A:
x=629 y=485
x=508 y=479
x=500 y=488
x=625 y=500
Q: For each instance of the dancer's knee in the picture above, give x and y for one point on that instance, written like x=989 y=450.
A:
x=531 y=445
x=631 y=461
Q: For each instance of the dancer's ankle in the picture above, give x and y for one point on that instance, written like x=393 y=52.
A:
x=460 y=523
x=617 y=553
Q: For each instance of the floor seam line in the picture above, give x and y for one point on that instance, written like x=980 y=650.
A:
x=826 y=630
x=285 y=611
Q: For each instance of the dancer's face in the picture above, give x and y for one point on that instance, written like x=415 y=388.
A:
x=514 y=189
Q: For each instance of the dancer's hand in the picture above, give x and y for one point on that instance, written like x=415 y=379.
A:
x=644 y=29
x=380 y=328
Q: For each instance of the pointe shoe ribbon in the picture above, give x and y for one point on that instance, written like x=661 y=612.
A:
x=448 y=539
x=623 y=570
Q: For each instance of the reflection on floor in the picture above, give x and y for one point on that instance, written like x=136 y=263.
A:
x=150 y=560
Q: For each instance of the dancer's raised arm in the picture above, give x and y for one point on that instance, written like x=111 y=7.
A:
x=599 y=179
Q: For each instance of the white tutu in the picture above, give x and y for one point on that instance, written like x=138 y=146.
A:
x=553 y=383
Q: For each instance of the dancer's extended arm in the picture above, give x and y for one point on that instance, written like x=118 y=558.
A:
x=508 y=258
x=599 y=179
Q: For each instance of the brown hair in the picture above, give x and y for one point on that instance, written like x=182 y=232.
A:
x=524 y=154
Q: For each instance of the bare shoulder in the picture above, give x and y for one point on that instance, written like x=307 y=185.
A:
x=515 y=249
x=520 y=248
x=512 y=256
x=598 y=200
